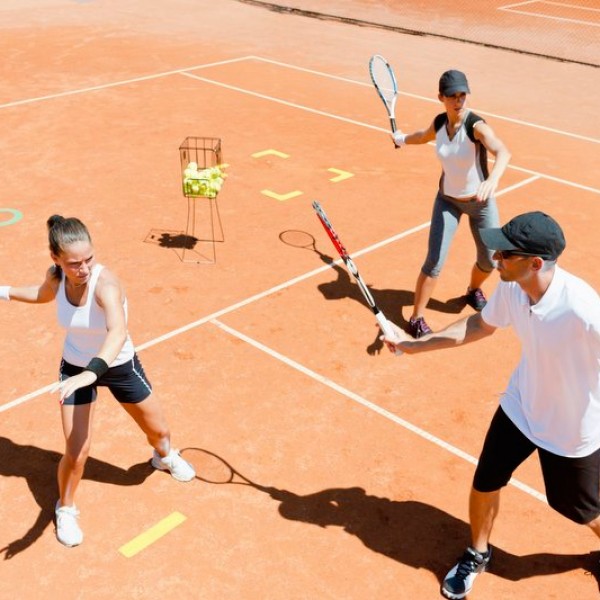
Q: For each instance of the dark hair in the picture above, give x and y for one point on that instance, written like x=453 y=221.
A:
x=64 y=231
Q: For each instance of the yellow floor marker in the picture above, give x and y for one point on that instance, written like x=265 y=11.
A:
x=281 y=197
x=341 y=175
x=268 y=152
x=137 y=544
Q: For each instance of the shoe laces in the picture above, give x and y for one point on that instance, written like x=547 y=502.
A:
x=420 y=325
x=469 y=563
x=478 y=294
x=66 y=514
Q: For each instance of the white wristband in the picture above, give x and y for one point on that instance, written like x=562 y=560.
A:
x=4 y=295
x=399 y=138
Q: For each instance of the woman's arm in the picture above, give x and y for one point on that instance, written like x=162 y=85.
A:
x=417 y=137
x=485 y=134
x=35 y=294
x=110 y=297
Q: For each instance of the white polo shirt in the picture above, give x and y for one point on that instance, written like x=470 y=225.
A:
x=553 y=395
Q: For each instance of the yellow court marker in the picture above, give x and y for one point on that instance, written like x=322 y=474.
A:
x=281 y=197
x=137 y=544
x=267 y=152
x=341 y=175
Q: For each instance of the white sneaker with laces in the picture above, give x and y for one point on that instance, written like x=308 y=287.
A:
x=68 y=531
x=180 y=469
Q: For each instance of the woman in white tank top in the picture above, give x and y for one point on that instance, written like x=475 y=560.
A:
x=98 y=351
x=466 y=186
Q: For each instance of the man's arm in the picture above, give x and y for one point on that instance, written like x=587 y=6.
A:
x=467 y=330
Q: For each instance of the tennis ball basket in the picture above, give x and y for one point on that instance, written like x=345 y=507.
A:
x=202 y=174
x=202 y=177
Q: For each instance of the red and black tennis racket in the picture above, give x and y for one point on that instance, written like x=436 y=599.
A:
x=385 y=325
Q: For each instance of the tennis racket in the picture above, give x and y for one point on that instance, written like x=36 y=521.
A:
x=333 y=236
x=384 y=80
x=211 y=468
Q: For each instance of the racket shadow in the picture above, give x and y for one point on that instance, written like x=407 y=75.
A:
x=410 y=532
x=391 y=302
x=297 y=238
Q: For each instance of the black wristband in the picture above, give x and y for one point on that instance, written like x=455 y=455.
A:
x=98 y=366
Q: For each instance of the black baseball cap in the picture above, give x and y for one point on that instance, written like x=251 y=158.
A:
x=453 y=81
x=532 y=234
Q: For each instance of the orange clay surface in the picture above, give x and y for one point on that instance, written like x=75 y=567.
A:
x=261 y=352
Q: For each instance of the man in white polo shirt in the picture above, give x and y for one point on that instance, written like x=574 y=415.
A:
x=552 y=402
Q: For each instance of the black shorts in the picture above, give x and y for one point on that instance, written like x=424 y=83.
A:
x=572 y=484
x=127 y=383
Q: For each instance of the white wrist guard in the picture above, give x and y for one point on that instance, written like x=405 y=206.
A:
x=399 y=138
x=4 y=289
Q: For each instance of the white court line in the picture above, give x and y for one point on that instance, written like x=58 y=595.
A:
x=185 y=70
x=431 y=100
x=510 y=188
x=576 y=6
x=368 y=126
x=368 y=404
x=105 y=86
x=511 y=8
x=315 y=111
x=232 y=307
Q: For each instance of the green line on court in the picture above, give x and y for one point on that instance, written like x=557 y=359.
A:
x=17 y=215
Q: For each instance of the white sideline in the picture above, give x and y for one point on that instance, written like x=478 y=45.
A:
x=368 y=404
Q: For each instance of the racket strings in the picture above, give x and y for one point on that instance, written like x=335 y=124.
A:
x=383 y=78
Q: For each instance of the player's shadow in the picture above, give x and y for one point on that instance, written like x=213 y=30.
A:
x=390 y=302
x=414 y=533
x=38 y=467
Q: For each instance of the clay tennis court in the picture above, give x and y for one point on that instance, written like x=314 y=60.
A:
x=261 y=352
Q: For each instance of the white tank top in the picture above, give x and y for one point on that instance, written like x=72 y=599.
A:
x=86 y=326
x=464 y=163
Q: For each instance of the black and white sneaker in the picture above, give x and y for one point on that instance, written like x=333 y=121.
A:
x=459 y=580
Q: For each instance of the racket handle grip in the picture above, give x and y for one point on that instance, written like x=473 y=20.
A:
x=387 y=329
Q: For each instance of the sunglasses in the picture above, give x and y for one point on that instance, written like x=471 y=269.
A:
x=510 y=253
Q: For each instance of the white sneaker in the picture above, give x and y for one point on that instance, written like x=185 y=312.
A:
x=68 y=531
x=179 y=468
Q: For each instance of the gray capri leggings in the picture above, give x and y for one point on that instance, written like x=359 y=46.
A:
x=444 y=223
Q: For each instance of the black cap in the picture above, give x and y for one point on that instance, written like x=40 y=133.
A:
x=533 y=234
x=453 y=81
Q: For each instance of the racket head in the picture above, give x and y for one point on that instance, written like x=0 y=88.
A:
x=384 y=79
x=345 y=256
x=333 y=236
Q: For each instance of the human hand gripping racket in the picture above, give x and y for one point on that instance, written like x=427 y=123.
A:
x=385 y=325
x=386 y=86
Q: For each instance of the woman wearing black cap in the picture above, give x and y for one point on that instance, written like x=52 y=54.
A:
x=466 y=186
